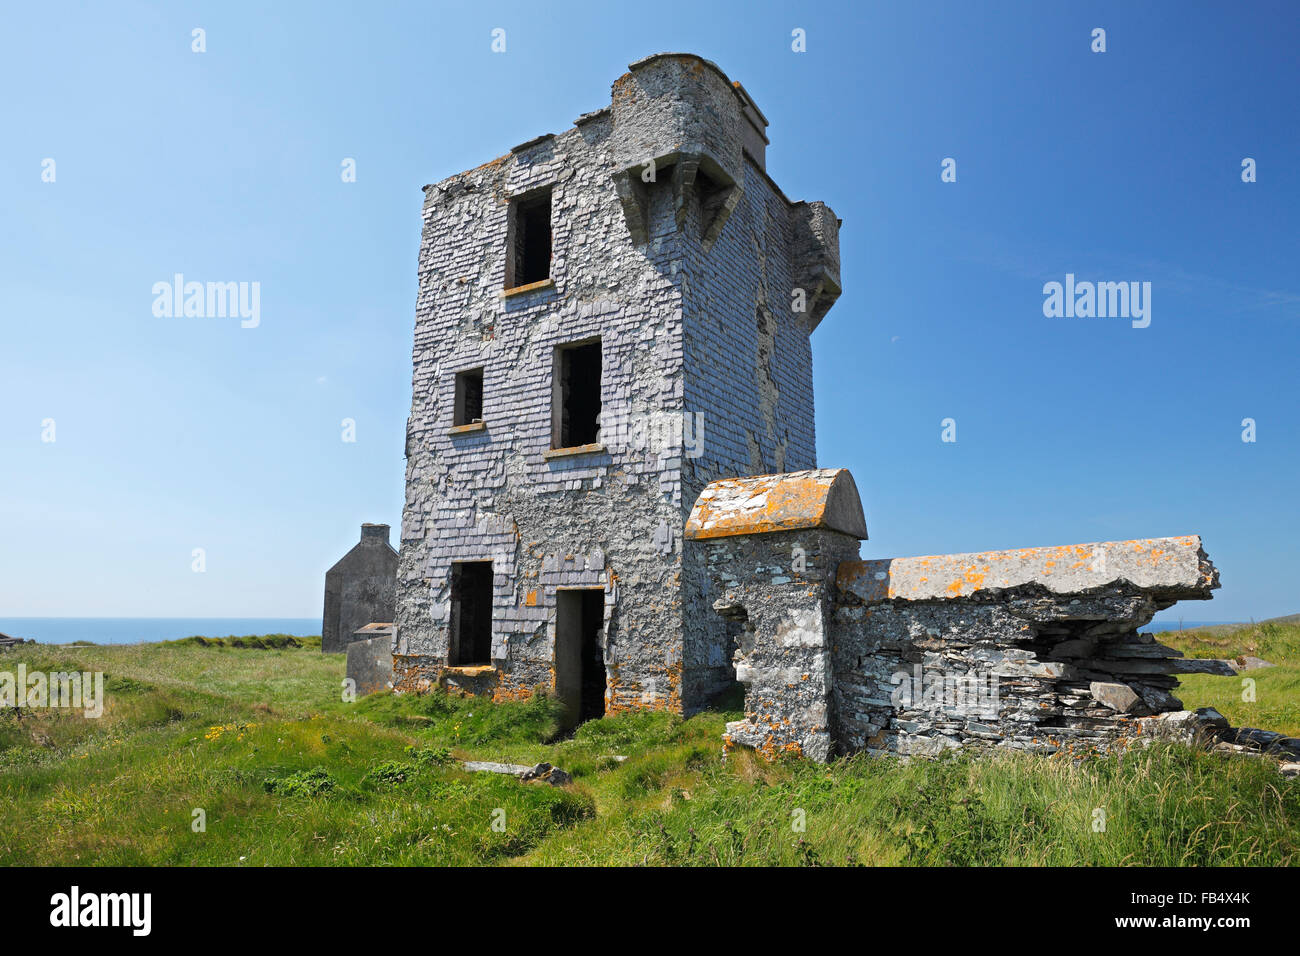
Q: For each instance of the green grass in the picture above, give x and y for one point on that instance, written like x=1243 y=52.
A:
x=1276 y=689
x=287 y=773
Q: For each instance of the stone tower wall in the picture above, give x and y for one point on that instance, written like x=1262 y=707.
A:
x=686 y=274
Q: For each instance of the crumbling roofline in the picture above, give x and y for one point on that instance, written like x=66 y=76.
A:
x=741 y=93
x=746 y=101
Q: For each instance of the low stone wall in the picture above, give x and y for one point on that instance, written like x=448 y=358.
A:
x=1026 y=668
x=370 y=664
x=1033 y=649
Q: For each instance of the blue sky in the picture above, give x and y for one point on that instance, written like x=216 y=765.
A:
x=173 y=434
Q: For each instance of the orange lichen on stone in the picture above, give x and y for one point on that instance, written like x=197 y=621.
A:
x=821 y=498
x=1177 y=564
x=771 y=749
x=503 y=693
x=622 y=90
x=619 y=700
x=470 y=670
x=410 y=675
x=490 y=163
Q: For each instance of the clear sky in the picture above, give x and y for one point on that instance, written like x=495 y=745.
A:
x=172 y=434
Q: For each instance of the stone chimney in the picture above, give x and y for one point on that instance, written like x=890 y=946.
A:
x=374 y=534
x=755 y=135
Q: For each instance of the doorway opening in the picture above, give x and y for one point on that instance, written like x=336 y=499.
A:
x=471 y=613
x=579 y=655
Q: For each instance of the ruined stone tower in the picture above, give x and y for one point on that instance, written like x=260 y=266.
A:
x=609 y=319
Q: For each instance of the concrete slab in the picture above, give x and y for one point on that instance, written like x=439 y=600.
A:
x=1175 y=568
x=370 y=664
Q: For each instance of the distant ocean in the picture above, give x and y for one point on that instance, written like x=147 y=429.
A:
x=1165 y=624
x=134 y=630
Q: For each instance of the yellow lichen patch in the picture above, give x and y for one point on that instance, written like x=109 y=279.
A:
x=758 y=505
x=504 y=693
x=771 y=748
x=410 y=676
x=1087 y=565
x=470 y=670
x=766 y=503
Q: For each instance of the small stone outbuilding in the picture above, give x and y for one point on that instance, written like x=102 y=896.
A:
x=1032 y=649
x=359 y=590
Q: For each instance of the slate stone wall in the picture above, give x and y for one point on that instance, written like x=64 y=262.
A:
x=1025 y=669
x=706 y=373
x=777 y=591
x=1038 y=649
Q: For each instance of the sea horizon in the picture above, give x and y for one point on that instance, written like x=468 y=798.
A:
x=1165 y=624
x=143 y=630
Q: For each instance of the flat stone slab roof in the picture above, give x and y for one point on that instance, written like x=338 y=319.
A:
x=1174 y=567
x=825 y=498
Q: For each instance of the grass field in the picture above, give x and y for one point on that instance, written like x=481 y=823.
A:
x=259 y=739
x=1276 y=690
